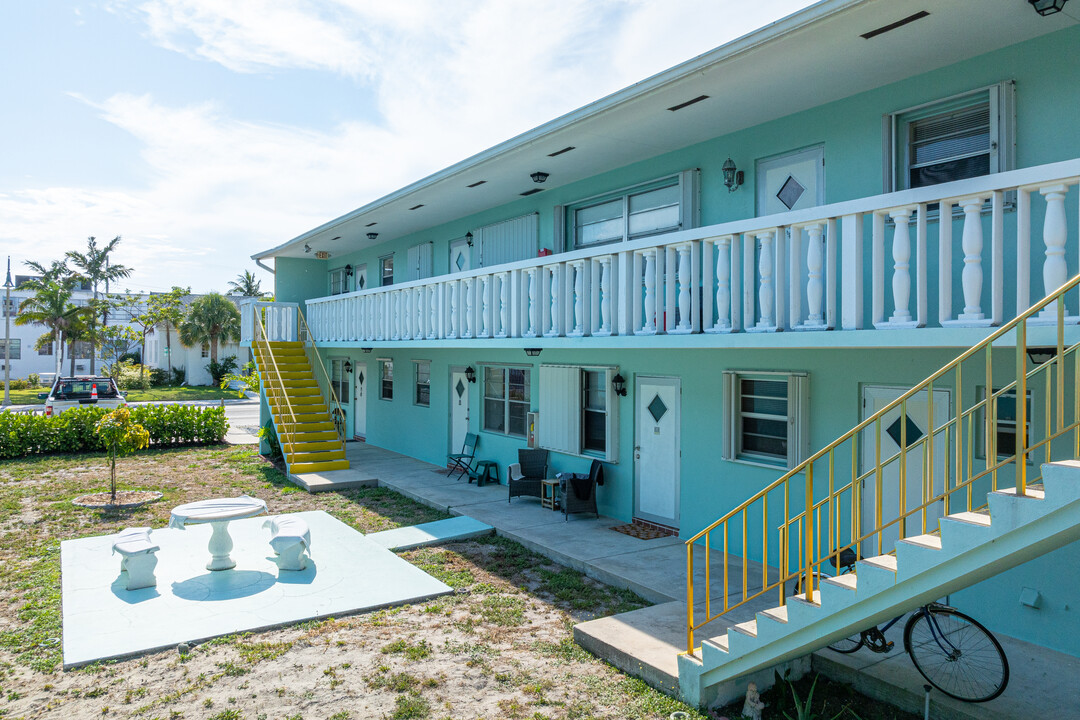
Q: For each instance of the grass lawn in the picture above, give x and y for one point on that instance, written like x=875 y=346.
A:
x=500 y=647
x=202 y=392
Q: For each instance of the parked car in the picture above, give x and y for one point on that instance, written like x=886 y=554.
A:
x=71 y=392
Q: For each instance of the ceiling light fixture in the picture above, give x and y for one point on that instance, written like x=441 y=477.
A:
x=540 y=176
x=372 y=235
x=1047 y=7
x=533 y=352
x=688 y=103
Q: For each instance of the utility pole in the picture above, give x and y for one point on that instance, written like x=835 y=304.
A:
x=7 y=334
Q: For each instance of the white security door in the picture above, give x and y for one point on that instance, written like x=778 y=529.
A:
x=360 y=374
x=460 y=259
x=459 y=410
x=875 y=398
x=791 y=182
x=657 y=450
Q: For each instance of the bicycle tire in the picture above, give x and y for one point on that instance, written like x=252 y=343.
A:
x=846 y=645
x=974 y=670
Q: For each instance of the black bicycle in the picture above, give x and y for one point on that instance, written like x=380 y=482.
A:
x=953 y=651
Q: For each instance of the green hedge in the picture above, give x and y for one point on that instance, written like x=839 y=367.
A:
x=73 y=431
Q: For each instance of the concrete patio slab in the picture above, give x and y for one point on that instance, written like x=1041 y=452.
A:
x=347 y=573
x=432 y=533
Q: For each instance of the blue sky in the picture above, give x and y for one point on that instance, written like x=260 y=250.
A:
x=205 y=130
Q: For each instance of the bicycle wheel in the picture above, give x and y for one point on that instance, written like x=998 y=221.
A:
x=956 y=654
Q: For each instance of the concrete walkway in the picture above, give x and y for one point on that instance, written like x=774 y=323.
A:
x=646 y=642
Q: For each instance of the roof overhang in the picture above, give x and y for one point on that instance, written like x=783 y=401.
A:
x=810 y=58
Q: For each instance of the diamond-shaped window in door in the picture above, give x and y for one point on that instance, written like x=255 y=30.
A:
x=790 y=192
x=460 y=261
x=360 y=377
x=460 y=388
x=657 y=408
x=361 y=282
x=914 y=432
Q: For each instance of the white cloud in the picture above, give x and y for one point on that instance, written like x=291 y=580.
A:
x=450 y=79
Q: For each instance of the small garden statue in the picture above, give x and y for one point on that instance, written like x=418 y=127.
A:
x=120 y=436
x=753 y=706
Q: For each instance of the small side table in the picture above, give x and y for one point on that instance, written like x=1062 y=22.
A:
x=549 y=493
x=486 y=471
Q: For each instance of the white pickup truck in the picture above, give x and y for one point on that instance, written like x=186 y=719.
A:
x=72 y=392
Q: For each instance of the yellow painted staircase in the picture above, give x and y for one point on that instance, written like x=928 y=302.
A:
x=309 y=438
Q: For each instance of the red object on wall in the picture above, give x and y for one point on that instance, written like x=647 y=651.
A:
x=544 y=252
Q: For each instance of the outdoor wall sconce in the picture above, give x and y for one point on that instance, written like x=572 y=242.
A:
x=618 y=384
x=533 y=352
x=539 y=176
x=733 y=177
x=470 y=374
x=1047 y=7
x=347 y=367
x=372 y=235
x=367 y=350
x=468 y=239
x=307 y=248
x=348 y=271
x=1041 y=355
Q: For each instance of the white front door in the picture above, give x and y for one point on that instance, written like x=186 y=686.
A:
x=459 y=410
x=361 y=281
x=792 y=181
x=460 y=261
x=360 y=374
x=875 y=398
x=657 y=450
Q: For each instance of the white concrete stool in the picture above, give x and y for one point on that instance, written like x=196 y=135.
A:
x=137 y=557
x=289 y=537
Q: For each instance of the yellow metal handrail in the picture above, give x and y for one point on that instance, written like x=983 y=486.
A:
x=318 y=361
x=261 y=333
x=817 y=538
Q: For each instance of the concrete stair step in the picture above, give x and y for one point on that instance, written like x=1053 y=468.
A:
x=964 y=530
x=875 y=574
x=742 y=637
x=840 y=592
x=772 y=624
x=918 y=554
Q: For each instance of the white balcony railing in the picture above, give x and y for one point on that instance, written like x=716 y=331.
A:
x=779 y=272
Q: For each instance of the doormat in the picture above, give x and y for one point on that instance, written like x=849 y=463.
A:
x=645 y=531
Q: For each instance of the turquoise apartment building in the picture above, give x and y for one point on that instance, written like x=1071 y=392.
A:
x=708 y=276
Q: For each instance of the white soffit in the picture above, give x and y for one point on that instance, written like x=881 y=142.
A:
x=808 y=59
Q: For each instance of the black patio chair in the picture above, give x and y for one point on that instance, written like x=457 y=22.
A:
x=461 y=462
x=525 y=475
x=579 y=490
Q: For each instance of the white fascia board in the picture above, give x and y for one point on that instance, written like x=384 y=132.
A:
x=768 y=33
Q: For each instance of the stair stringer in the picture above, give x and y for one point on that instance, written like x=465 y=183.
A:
x=1019 y=536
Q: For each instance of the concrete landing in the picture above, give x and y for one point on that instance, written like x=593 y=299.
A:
x=346 y=573
x=334 y=480
x=432 y=533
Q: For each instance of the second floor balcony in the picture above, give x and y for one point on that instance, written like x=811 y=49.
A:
x=876 y=264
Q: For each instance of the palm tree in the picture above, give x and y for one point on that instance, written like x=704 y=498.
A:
x=247 y=284
x=210 y=319
x=95 y=268
x=51 y=307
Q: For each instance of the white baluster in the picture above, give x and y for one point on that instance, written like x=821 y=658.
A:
x=649 y=326
x=605 y=296
x=485 y=307
x=814 y=284
x=972 y=275
x=433 y=312
x=578 y=268
x=504 y=305
x=555 y=324
x=534 y=306
x=901 y=279
x=469 y=320
x=766 y=294
x=684 y=288
x=455 y=299
x=1055 y=234
x=723 y=284
x=421 y=313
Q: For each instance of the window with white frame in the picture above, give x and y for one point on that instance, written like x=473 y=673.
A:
x=386 y=270
x=765 y=417
x=577 y=411
x=339 y=379
x=422 y=392
x=1005 y=439
x=965 y=136
x=339 y=281
x=45 y=349
x=507 y=396
x=386 y=379
x=660 y=206
x=204 y=351
x=14 y=347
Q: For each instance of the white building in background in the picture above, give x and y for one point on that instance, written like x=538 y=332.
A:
x=26 y=358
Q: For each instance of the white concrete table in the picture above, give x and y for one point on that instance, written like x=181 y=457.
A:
x=218 y=512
